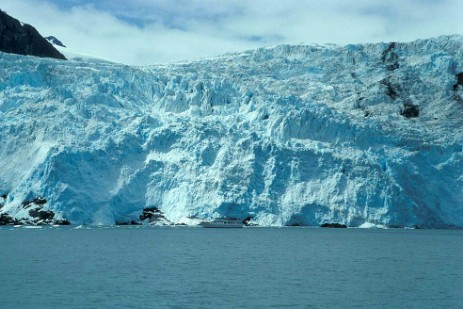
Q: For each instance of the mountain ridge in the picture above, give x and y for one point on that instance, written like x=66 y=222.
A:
x=24 y=39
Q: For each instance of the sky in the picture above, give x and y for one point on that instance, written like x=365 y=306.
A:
x=140 y=32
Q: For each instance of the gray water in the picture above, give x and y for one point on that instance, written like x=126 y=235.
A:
x=146 y=267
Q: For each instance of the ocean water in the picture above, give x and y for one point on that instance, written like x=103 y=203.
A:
x=186 y=267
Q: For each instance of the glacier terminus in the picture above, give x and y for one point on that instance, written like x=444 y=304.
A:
x=362 y=135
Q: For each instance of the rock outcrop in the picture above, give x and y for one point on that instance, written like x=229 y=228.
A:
x=23 y=39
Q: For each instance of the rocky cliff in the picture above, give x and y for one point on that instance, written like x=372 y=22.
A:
x=23 y=39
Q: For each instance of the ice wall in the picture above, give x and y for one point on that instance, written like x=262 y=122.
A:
x=361 y=135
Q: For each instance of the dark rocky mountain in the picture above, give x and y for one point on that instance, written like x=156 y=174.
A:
x=54 y=40
x=23 y=39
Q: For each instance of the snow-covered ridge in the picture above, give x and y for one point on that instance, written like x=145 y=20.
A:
x=71 y=53
x=306 y=134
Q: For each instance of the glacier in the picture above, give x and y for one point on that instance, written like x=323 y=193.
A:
x=363 y=135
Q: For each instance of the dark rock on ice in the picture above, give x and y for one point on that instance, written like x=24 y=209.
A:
x=458 y=87
x=149 y=213
x=38 y=201
x=45 y=215
x=154 y=215
x=131 y=222
x=410 y=110
x=385 y=52
x=295 y=224
x=296 y=220
x=62 y=222
x=391 y=90
x=5 y=219
x=459 y=82
x=247 y=220
x=334 y=225
x=390 y=58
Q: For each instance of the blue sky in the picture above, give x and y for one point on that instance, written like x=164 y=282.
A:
x=157 y=31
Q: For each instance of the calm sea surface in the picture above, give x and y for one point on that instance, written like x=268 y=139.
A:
x=148 y=267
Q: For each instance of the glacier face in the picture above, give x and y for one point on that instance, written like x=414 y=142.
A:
x=291 y=135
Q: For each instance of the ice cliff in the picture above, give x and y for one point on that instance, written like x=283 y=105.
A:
x=290 y=135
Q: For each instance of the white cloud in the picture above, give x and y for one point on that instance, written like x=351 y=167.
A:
x=147 y=32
